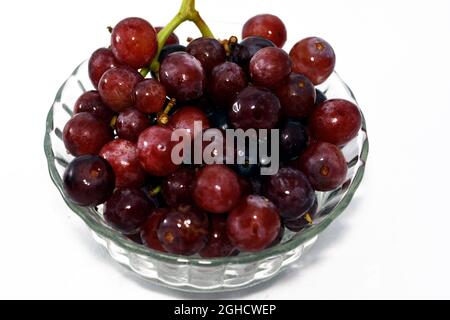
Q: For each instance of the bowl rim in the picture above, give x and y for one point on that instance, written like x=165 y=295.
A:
x=87 y=214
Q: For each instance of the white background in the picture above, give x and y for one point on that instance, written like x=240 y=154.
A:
x=392 y=241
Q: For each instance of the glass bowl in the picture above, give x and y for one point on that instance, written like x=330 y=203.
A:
x=195 y=273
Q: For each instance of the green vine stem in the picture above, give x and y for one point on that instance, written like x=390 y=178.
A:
x=187 y=12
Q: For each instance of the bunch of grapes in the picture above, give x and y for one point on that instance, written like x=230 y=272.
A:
x=120 y=136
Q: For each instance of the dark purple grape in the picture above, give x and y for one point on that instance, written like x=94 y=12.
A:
x=208 y=51
x=293 y=140
x=297 y=96
x=127 y=210
x=88 y=180
x=123 y=156
x=324 y=165
x=116 y=87
x=91 y=102
x=150 y=96
x=131 y=123
x=219 y=119
x=290 y=191
x=184 y=231
x=269 y=67
x=246 y=49
x=256 y=108
x=101 y=61
x=267 y=26
x=86 y=134
x=183 y=76
x=304 y=221
x=134 y=42
x=218 y=244
x=177 y=187
x=168 y=49
x=225 y=83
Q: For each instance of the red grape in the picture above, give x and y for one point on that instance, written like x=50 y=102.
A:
x=208 y=51
x=88 y=180
x=173 y=39
x=116 y=87
x=150 y=96
x=184 y=119
x=216 y=189
x=183 y=76
x=297 y=96
x=130 y=123
x=254 y=224
x=91 y=102
x=244 y=51
x=155 y=150
x=290 y=191
x=86 y=134
x=218 y=244
x=177 y=187
x=269 y=66
x=226 y=81
x=267 y=26
x=324 y=165
x=123 y=156
x=149 y=231
x=101 y=61
x=127 y=210
x=335 y=121
x=314 y=58
x=256 y=108
x=134 y=42
x=184 y=231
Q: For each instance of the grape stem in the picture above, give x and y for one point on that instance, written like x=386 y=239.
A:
x=187 y=12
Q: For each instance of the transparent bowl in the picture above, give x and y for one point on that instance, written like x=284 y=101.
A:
x=196 y=273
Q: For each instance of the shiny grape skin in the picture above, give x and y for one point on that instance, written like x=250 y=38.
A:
x=297 y=96
x=155 y=149
x=91 y=102
x=185 y=117
x=290 y=191
x=86 y=134
x=168 y=49
x=225 y=83
x=127 y=210
x=123 y=156
x=130 y=123
x=208 y=51
x=101 y=61
x=216 y=189
x=134 y=42
x=183 y=76
x=177 y=187
x=246 y=49
x=149 y=231
x=336 y=121
x=302 y=222
x=267 y=26
x=172 y=39
x=314 y=58
x=320 y=97
x=184 y=231
x=256 y=108
x=293 y=139
x=270 y=66
x=218 y=244
x=150 y=96
x=324 y=165
x=254 y=224
x=88 y=180
x=116 y=87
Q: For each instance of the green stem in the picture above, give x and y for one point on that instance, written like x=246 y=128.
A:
x=187 y=12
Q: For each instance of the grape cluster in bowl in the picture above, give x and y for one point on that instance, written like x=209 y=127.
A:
x=120 y=138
